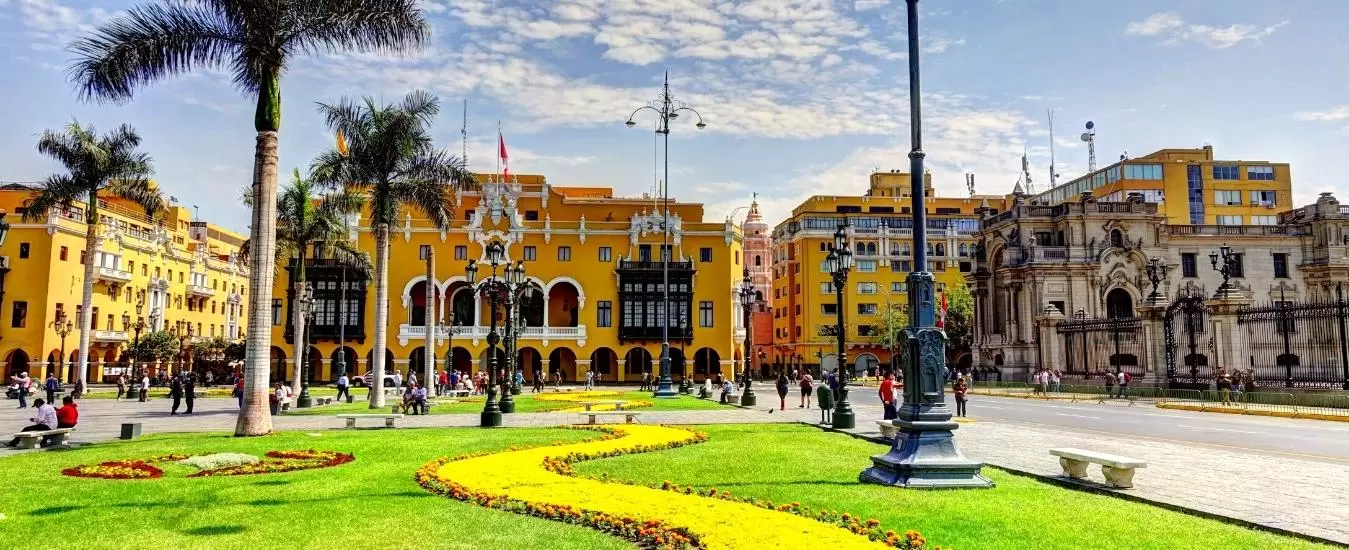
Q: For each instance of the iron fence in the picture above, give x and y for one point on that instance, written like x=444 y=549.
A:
x=1094 y=345
x=1297 y=344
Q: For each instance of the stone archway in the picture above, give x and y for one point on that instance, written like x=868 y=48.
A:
x=1119 y=304
x=483 y=359
x=604 y=361
x=866 y=364
x=530 y=361
x=312 y=372
x=564 y=300
x=562 y=360
x=16 y=362
x=706 y=363
x=461 y=359
x=348 y=357
x=678 y=365
x=638 y=360
x=278 y=366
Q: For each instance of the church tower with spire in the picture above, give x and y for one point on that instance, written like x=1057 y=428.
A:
x=759 y=253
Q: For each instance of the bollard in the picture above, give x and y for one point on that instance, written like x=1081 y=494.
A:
x=349 y=398
x=131 y=430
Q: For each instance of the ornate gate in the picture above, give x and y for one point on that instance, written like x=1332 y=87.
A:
x=1191 y=343
x=1094 y=346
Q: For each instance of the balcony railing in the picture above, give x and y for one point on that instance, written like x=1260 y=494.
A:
x=111 y=275
x=109 y=336
x=200 y=290
x=625 y=264
x=418 y=332
x=1255 y=230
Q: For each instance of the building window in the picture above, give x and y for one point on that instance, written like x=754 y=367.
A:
x=866 y=288
x=705 y=314
x=424 y=252
x=460 y=252
x=1188 y=265
x=1263 y=198
x=604 y=314
x=606 y=254
x=905 y=266
x=866 y=266
x=866 y=330
x=531 y=254
x=276 y=312
x=828 y=309
x=1260 y=173
x=1280 y=265
x=938 y=266
x=84 y=257
x=704 y=254
x=1229 y=220
x=531 y=215
x=1238 y=265
x=65 y=252
x=468 y=215
x=23 y=251
x=798 y=309
x=1140 y=172
x=1229 y=198
x=1226 y=172
x=827 y=287
x=19 y=317
x=1264 y=220
x=564 y=253
x=866 y=309
x=896 y=287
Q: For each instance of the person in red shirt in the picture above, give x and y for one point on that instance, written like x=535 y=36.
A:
x=69 y=414
x=887 y=393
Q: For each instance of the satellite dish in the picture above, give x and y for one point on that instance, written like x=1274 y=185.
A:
x=1086 y=136
x=1090 y=125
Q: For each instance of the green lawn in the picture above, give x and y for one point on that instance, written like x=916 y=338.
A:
x=370 y=503
x=785 y=463
x=524 y=402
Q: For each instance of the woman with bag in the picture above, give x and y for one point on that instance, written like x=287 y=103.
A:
x=807 y=386
x=960 y=389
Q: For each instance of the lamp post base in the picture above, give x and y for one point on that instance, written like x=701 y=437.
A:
x=304 y=401
x=491 y=413
x=507 y=403
x=747 y=398
x=844 y=419
x=665 y=388
x=133 y=392
x=924 y=455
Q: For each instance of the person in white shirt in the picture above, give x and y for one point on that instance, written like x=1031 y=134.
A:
x=343 y=387
x=590 y=380
x=45 y=420
x=145 y=387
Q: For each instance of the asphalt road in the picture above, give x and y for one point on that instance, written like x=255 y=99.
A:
x=1316 y=439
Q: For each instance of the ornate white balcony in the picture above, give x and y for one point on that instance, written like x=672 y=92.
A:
x=407 y=333
x=111 y=275
x=200 y=290
x=109 y=336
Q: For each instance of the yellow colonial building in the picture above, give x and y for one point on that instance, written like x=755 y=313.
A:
x=593 y=303
x=879 y=232
x=1190 y=186
x=177 y=271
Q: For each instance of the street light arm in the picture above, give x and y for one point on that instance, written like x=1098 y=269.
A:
x=642 y=108
x=695 y=112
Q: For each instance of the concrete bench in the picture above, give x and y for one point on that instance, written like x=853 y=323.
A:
x=59 y=437
x=628 y=415
x=455 y=393
x=389 y=419
x=325 y=400
x=1118 y=470
x=888 y=428
x=589 y=405
x=730 y=398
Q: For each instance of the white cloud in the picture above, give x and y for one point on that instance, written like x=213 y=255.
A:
x=1337 y=113
x=864 y=5
x=1175 y=30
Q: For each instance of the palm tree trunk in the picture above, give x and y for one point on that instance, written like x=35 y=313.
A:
x=297 y=317
x=381 y=316
x=87 y=302
x=254 y=416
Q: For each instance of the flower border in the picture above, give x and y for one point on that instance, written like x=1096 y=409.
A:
x=116 y=469
x=285 y=461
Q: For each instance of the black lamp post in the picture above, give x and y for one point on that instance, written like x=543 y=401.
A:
x=306 y=303
x=1226 y=263
x=495 y=290
x=925 y=452
x=747 y=398
x=1156 y=271
x=667 y=109
x=839 y=263
x=134 y=390
x=63 y=327
x=515 y=289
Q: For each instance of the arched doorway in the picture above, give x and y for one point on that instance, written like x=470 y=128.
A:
x=483 y=359
x=828 y=363
x=108 y=368
x=71 y=370
x=461 y=298
x=54 y=364
x=277 y=363
x=313 y=365
x=603 y=361
x=563 y=301
x=417 y=304
x=17 y=362
x=531 y=305
x=866 y=364
x=389 y=366
x=562 y=360
x=417 y=361
x=638 y=361
x=462 y=359
x=706 y=363
x=531 y=361
x=348 y=357
x=1119 y=304
x=678 y=364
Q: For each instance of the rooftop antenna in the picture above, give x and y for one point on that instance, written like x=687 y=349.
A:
x=463 y=133
x=969 y=182
x=1025 y=173
x=1089 y=136
x=1053 y=177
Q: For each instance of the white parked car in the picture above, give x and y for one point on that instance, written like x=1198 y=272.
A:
x=368 y=378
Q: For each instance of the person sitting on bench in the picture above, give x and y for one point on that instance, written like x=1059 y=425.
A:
x=45 y=420
x=69 y=414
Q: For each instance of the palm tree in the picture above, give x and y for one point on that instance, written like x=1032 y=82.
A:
x=390 y=158
x=107 y=164
x=255 y=40
x=307 y=221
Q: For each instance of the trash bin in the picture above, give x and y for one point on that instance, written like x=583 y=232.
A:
x=825 y=398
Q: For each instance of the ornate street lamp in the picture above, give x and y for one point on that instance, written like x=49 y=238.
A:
x=666 y=109
x=1227 y=264
x=515 y=284
x=306 y=303
x=1156 y=271
x=925 y=452
x=839 y=263
x=134 y=390
x=63 y=327
x=496 y=290
x=747 y=398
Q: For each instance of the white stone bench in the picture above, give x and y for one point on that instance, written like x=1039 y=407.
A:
x=629 y=415
x=1118 y=470
x=352 y=418
x=60 y=437
x=731 y=398
x=455 y=393
x=323 y=400
x=888 y=428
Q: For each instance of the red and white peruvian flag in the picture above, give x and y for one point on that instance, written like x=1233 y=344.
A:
x=941 y=322
x=505 y=158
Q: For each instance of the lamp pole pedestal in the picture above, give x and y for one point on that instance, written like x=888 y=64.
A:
x=491 y=412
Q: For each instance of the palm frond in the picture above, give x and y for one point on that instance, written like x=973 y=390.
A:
x=429 y=196
x=353 y=257
x=59 y=190
x=395 y=26
x=157 y=41
x=140 y=191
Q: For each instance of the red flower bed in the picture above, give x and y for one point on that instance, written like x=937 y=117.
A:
x=282 y=461
x=116 y=469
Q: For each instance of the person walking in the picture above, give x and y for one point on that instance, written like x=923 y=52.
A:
x=343 y=387
x=51 y=385
x=1124 y=379
x=590 y=380
x=783 y=388
x=21 y=384
x=1224 y=385
x=807 y=386
x=1109 y=384
x=831 y=380
x=209 y=379
x=239 y=390
x=1055 y=379
x=121 y=386
x=960 y=389
x=175 y=393
x=538 y=381
x=887 y=394
x=189 y=390
x=145 y=388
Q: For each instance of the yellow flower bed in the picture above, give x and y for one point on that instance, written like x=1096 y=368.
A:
x=521 y=475
x=594 y=395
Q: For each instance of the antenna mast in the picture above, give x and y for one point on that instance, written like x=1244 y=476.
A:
x=1053 y=177
x=463 y=133
x=969 y=182
x=1025 y=173
x=1089 y=137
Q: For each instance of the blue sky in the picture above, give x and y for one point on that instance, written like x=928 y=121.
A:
x=801 y=97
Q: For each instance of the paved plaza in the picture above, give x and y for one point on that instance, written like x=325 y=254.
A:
x=1277 y=489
